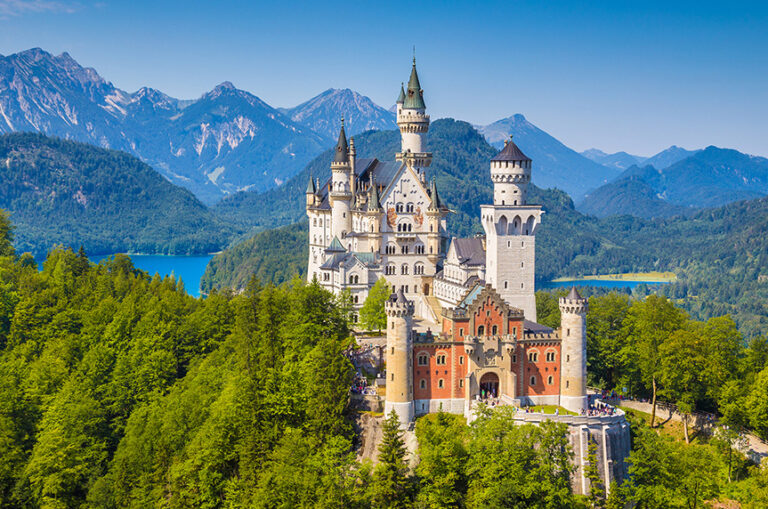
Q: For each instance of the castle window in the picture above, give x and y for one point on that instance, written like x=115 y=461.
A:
x=418 y=268
x=423 y=384
x=440 y=359
x=393 y=350
x=533 y=380
x=567 y=383
x=522 y=285
x=514 y=359
x=404 y=269
x=506 y=284
x=550 y=356
x=514 y=331
x=390 y=270
x=461 y=383
x=461 y=332
x=314 y=222
x=567 y=358
x=494 y=330
x=550 y=380
x=399 y=207
x=440 y=383
x=392 y=377
x=480 y=330
x=409 y=207
x=355 y=299
x=423 y=360
x=390 y=249
x=533 y=356
x=567 y=332
x=461 y=359
x=405 y=250
x=522 y=264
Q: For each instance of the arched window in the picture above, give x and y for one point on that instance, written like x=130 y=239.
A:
x=418 y=269
x=533 y=356
x=423 y=384
x=399 y=208
x=550 y=356
x=390 y=271
x=390 y=249
x=494 y=330
x=533 y=380
x=440 y=383
x=409 y=207
x=550 y=380
x=404 y=249
x=480 y=330
x=404 y=269
x=423 y=359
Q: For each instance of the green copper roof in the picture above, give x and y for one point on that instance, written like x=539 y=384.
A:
x=335 y=245
x=342 y=151
x=414 y=99
x=311 y=189
x=401 y=97
x=435 y=203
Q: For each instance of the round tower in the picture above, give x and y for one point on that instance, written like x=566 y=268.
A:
x=341 y=192
x=573 y=355
x=413 y=121
x=510 y=174
x=399 y=357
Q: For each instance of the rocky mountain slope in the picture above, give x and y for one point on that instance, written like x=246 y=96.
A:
x=554 y=164
x=617 y=160
x=322 y=113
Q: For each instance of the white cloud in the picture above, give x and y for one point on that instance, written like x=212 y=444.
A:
x=13 y=8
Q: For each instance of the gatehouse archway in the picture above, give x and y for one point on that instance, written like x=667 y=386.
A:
x=489 y=385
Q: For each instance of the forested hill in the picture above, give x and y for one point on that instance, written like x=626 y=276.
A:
x=64 y=192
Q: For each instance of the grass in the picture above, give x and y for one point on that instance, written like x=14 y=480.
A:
x=550 y=409
x=670 y=428
x=631 y=276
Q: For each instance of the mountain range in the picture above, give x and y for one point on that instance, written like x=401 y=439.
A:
x=225 y=141
x=710 y=177
x=623 y=160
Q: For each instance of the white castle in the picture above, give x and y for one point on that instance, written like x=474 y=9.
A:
x=374 y=219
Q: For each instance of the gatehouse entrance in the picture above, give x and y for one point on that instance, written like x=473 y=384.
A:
x=489 y=385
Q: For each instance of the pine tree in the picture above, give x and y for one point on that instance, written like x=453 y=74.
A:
x=391 y=487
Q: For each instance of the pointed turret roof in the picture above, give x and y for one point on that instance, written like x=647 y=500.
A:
x=398 y=297
x=401 y=97
x=335 y=245
x=435 y=203
x=342 y=150
x=574 y=294
x=374 y=203
x=510 y=152
x=311 y=189
x=414 y=98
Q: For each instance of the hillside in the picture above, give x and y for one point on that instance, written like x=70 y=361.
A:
x=64 y=192
x=709 y=178
x=554 y=164
x=631 y=195
x=323 y=112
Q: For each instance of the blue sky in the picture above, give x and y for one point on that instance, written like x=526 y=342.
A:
x=620 y=75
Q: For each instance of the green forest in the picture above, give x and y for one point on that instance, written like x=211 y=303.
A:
x=74 y=194
x=118 y=389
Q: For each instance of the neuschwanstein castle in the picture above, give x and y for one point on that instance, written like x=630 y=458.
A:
x=461 y=320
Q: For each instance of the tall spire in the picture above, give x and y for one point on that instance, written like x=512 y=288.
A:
x=342 y=151
x=435 y=203
x=401 y=97
x=311 y=189
x=414 y=98
x=374 y=204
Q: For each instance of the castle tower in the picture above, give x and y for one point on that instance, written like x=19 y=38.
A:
x=413 y=122
x=399 y=357
x=341 y=192
x=573 y=358
x=510 y=227
x=374 y=211
x=433 y=218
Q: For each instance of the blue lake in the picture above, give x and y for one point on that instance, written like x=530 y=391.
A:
x=605 y=283
x=189 y=269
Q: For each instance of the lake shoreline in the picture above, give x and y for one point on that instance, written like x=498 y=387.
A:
x=636 y=277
